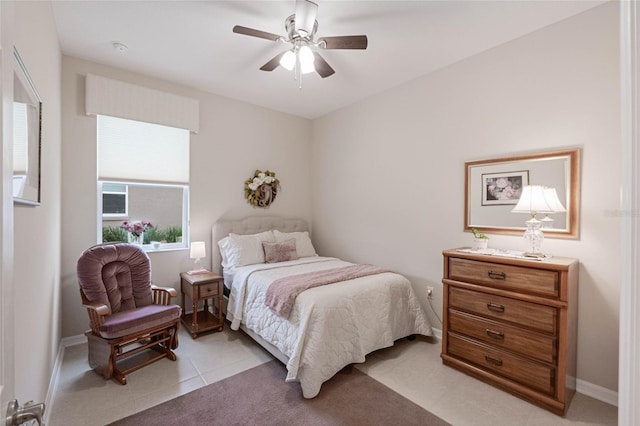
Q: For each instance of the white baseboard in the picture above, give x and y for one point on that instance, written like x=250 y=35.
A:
x=55 y=373
x=437 y=333
x=598 y=392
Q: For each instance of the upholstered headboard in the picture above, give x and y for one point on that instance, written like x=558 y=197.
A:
x=249 y=225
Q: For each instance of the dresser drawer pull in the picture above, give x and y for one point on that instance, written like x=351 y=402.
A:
x=497 y=275
x=498 y=335
x=495 y=308
x=492 y=360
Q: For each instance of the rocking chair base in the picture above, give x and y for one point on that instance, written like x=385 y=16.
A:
x=104 y=354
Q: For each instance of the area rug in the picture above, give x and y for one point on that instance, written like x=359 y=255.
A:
x=260 y=396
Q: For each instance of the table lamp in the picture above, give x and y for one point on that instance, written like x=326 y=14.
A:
x=533 y=201
x=197 y=251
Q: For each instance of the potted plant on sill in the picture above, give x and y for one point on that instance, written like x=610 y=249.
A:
x=480 y=240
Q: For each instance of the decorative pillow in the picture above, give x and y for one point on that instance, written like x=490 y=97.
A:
x=241 y=250
x=304 y=247
x=280 y=252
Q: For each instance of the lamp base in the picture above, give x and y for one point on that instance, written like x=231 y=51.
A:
x=198 y=271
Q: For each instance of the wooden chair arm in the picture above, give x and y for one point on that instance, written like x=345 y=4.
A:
x=163 y=295
x=96 y=312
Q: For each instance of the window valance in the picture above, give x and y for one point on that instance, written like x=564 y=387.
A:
x=115 y=98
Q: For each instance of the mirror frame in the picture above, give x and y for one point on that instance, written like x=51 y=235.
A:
x=34 y=144
x=573 y=193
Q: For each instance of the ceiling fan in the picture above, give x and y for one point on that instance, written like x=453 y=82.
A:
x=301 y=28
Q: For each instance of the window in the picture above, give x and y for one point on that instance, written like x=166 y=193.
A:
x=114 y=200
x=143 y=172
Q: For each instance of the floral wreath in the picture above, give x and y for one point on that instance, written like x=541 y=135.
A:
x=261 y=189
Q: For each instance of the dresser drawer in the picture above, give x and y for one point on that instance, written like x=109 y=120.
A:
x=529 y=373
x=526 y=314
x=509 y=277
x=531 y=344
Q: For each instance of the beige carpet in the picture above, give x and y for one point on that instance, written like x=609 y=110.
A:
x=260 y=396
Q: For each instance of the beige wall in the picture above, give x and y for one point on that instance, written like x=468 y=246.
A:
x=235 y=138
x=388 y=172
x=37 y=229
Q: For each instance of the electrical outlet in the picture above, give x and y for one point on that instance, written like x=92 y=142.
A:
x=429 y=292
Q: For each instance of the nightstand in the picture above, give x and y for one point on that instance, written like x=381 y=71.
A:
x=199 y=287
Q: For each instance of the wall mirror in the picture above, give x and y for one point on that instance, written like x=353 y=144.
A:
x=493 y=186
x=27 y=130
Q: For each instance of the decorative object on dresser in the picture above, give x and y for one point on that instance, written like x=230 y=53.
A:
x=513 y=323
x=480 y=240
x=202 y=286
x=261 y=189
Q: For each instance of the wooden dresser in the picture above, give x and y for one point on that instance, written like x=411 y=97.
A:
x=513 y=323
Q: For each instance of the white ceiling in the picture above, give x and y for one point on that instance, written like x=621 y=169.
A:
x=192 y=43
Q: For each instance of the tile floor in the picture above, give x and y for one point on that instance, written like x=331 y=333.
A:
x=412 y=369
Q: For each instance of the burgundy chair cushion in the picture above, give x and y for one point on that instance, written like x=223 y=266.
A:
x=117 y=275
x=137 y=320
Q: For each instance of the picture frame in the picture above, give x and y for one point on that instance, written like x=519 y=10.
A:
x=503 y=188
x=27 y=136
x=559 y=169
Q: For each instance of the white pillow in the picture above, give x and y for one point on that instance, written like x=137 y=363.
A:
x=304 y=246
x=241 y=250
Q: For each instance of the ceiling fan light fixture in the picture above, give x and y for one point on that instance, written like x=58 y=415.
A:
x=305 y=17
x=306 y=60
x=288 y=60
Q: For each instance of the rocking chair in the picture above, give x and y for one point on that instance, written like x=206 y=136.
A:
x=128 y=315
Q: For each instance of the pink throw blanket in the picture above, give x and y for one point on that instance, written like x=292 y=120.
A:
x=282 y=292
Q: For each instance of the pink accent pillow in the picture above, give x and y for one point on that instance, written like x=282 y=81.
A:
x=280 y=252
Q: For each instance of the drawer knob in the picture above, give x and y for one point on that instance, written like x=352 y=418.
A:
x=492 y=360
x=498 y=335
x=495 y=308
x=497 y=275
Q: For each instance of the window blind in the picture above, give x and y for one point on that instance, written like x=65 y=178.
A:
x=142 y=152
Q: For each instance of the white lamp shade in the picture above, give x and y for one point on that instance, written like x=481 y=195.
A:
x=197 y=250
x=551 y=196
x=306 y=60
x=532 y=200
x=288 y=60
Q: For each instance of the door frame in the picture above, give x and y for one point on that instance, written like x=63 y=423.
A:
x=7 y=329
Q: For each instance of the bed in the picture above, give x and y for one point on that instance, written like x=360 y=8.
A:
x=326 y=327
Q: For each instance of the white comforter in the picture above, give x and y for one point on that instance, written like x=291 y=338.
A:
x=330 y=326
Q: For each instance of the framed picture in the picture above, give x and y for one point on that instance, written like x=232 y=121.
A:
x=27 y=132
x=503 y=188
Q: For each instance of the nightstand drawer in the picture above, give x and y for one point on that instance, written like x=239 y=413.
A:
x=532 y=344
x=531 y=374
x=508 y=277
x=209 y=290
x=526 y=314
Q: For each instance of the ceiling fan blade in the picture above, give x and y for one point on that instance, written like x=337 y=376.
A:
x=344 y=42
x=305 y=17
x=255 y=33
x=273 y=63
x=321 y=66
